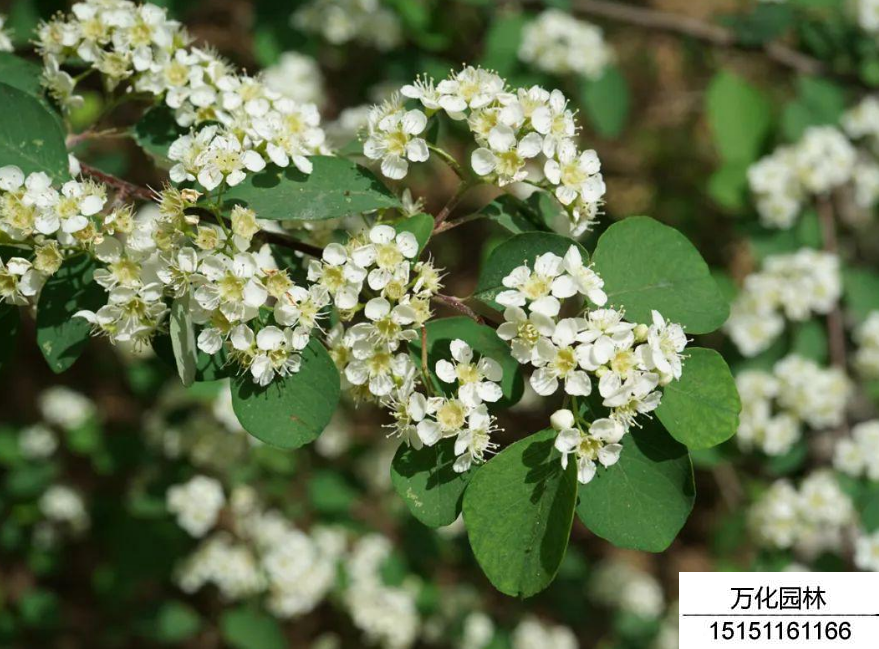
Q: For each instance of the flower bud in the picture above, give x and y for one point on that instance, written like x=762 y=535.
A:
x=562 y=419
x=641 y=332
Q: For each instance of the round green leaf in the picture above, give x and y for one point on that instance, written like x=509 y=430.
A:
x=646 y=265
x=740 y=117
x=156 y=131
x=642 y=501
x=607 y=102
x=60 y=336
x=427 y=483
x=293 y=411
x=249 y=628
x=515 y=251
x=421 y=225
x=518 y=510
x=336 y=187
x=701 y=409
x=484 y=341
x=30 y=135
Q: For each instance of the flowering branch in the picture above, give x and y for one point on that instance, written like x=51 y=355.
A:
x=700 y=30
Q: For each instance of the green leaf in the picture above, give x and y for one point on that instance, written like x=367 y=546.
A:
x=818 y=102
x=515 y=251
x=155 y=132
x=646 y=265
x=606 y=101
x=701 y=409
x=336 y=187
x=515 y=215
x=30 y=135
x=293 y=411
x=21 y=73
x=518 y=510
x=427 y=483
x=762 y=24
x=176 y=622
x=861 y=290
x=10 y=321
x=642 y=501
x=727 y=186
x=421 y=225
x=183 y=340
x=330 y=494
x=249 y=628
x=502 y=43
x=484 y=341
x=809 y=340
x=739 y=115
x=60 y=336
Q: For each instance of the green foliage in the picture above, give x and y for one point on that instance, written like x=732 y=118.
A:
x=21 y=74
x=670 y=275
x=60 y=336
x=861 y=292
x=421 y=225
x=176 y=622
x=518 y=216
x=765 y=22
x=293 y=411
x=701 y=409
x=740 y=117
x=30 y=135
x=484 y=341
x=182 y=335
x=248 y=628
x=502 y=43
x=809 y=340
x=519 y=509
x=607 y=102
x=336 y=187
x=427 y=483
x=516 y=251
x=155 y=132
x=818 y=102
x=643 y=501
x=207 y=367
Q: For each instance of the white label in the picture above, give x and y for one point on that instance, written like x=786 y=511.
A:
x=775 y=610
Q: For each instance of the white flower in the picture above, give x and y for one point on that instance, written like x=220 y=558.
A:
x=576 y=174
x=556 y=358
x=579 y=278
x=533 y=288
x=600 y=444
x=505 y=157
x=665 y=342
x=477 y=381
x=524 y=331
x=472 y=88
x=392 y=138
x=474 y=441
x=867 y=552
x=196 y=504
x=19 y=281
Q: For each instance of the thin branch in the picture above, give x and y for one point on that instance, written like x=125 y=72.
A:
x=450 y=206
x=687 y=26
x=835 y=323
x=125 y=190
x=458 y=305
x=448 y=225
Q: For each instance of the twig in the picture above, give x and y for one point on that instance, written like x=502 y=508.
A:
x=125 y=190
x=835 y=324
x=458 y=305
x=730 y=486
x=463 y=188
x=448 y=225
x=694 y=28
x=75 y=138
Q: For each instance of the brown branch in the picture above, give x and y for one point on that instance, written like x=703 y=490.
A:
x=694 y=28
x=458 y=305
x=835 y=323
x=125 y=190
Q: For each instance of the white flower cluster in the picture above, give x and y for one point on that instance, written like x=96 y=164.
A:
x=867 y=14
x=37 y=442
x=629 y=361
x=558 y=43
x=196 y=504
x=63 y=505
x=867 y=552
x=387 y=615
x=65 y=408
x=810 y=520
x=795 y=286
x=776 y=405
x=867 y=354
x=859 y=454
x=522 y=135
x=139 y=45
x=265 y=554
x=297 y=77
x=342 y=21
x=533 y=633
x=619 y=585
x=5 y=37
x=782 y=181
